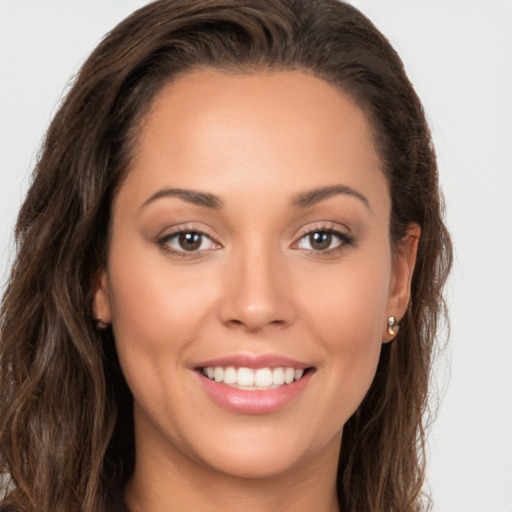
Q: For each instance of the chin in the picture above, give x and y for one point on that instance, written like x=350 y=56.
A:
x=256 y=466
x=265 y=453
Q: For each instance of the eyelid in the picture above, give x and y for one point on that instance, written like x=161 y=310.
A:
x=339 y=230
x=329 y=226
x=167 y=234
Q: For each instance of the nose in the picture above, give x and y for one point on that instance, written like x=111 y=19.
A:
x=257 y=294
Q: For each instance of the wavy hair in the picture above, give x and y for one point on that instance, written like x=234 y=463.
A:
x=66 y=430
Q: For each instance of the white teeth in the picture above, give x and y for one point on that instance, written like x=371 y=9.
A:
x=247 y=378
x=263 y=377
x=218 y=374
x=278 y=377
x=289 y=375
x=230 y=375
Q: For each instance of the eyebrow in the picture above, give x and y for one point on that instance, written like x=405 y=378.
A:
x=313 y=197
x=190 y=196
x=303 y=200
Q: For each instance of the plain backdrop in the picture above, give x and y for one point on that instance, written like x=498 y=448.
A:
x=458 y=54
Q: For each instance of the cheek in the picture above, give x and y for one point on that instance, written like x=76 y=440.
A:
x=347 y=303
x=153 y=305
x=345 y=312
x=156 y=317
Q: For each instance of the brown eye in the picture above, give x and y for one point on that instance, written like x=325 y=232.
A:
x=324 y=241
x=190 y=241
x=320 y=240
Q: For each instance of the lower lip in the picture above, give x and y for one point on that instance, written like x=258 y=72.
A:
x=254 y=401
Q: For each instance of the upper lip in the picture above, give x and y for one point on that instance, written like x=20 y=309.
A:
x=254 y=362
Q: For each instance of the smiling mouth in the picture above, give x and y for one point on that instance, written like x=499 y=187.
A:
x=259 y=379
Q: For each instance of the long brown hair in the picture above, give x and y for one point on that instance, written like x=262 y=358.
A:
x=66 y=431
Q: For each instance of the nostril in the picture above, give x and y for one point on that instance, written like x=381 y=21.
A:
x=254 y=310
x=252 y=325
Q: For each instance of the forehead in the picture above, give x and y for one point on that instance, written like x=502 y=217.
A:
x=218 y=131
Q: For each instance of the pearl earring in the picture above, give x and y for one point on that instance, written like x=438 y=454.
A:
x=393 y=326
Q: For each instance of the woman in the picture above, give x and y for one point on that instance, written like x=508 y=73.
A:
x=229 y=272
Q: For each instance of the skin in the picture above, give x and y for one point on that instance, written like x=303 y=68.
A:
x=255 y=286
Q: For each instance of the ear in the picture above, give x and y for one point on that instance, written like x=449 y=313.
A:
x=101 y=302
x=402 y=271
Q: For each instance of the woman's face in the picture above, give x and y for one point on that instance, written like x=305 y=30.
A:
x=250 y=246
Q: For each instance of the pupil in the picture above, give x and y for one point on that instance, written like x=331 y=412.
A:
x=320 y=240
x=190 y=241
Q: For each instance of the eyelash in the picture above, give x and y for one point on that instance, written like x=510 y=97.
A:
x=344 y=238
x=163 y=241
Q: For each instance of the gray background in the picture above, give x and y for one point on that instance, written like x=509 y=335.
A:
x=459 y=56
